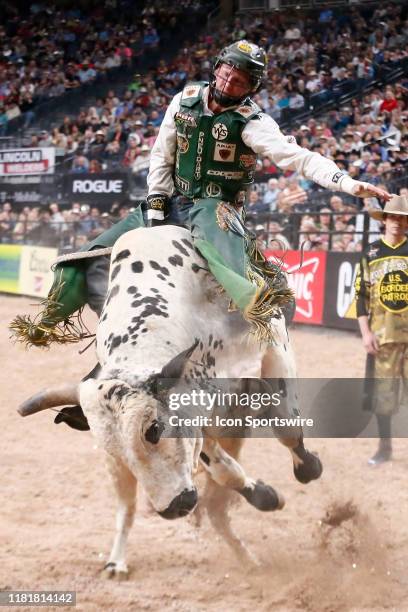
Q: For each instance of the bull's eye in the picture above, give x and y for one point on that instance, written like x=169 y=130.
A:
x=154 y=432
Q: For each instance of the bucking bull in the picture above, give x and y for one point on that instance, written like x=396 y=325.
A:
x=165 y=318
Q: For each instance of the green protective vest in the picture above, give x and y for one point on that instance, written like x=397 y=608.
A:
x=212 y=161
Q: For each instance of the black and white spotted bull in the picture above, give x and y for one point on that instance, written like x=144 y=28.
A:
x=165 y=318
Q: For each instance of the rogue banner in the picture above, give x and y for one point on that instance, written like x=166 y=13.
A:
x=96 y=188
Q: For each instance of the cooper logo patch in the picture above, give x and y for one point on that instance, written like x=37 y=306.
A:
x=337 y=177
x=224 y=152
x=219 y=131
x=226 y=174
x=191 y=91
x=247 y=161
x=182 y=144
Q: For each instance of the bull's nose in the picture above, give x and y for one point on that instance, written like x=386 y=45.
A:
x=181 y=505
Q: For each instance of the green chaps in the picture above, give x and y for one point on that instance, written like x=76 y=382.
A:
x=255 y=286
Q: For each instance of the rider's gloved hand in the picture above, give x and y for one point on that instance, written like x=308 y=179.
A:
x=157 y=209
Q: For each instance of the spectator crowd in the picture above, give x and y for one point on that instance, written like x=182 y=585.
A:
x=46 y=50
x=312 y=55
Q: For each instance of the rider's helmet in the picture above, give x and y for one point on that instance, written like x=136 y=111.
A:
x=244 y=56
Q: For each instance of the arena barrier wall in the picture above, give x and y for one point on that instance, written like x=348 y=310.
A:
x=323 y=283
x=26 y=270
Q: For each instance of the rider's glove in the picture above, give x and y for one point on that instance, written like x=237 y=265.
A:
x=157 y=208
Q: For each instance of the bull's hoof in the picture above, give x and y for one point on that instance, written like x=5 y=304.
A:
x=115 y=571
x=263 y=497
x=311 y=468
x=381 y=456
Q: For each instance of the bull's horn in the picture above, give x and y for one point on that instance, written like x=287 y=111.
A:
x=48 y=398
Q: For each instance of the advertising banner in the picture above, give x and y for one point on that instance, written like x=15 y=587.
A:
x=27 y=161
x=98 y=188
x=29 y=189
x=339 y=307
x=26 y=270
x=307 y=281
x=36 y=276
x=9 y=267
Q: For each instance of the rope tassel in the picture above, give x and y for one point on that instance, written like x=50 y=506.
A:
x=45 y=329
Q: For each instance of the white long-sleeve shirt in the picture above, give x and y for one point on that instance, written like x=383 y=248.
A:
x=263 y=136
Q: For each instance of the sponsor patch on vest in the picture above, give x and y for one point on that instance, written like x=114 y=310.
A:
x=245 y=111
x=185 y=118
x=224 y=152
x=247 y=161
x=182 y=144
x=191 y=91
x=226 y=174
x=337 y=177
x=199 y=156
x=182 y=183
x=213 y=190
x=219 y=131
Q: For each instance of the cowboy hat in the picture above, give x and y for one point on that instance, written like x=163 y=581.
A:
x=398 y=205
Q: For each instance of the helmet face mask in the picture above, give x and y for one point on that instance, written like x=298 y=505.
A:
x=230 y=86
x=245 y=57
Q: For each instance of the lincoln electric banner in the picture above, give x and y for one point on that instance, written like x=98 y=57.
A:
x=27 y=161
x=96 y=188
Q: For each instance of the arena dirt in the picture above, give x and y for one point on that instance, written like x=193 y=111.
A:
x=339 y=544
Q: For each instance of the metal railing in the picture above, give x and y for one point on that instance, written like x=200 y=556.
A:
x=69 y=236
x=263 y=225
